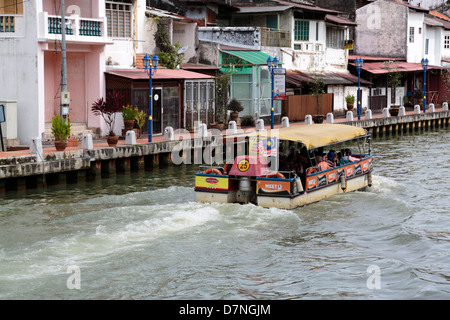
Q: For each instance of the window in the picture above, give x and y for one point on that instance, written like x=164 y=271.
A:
x=335 y=38
x=119 y=19
x=272 y=22
x=411 y=34
x=317 y=31
x=427 y=42
x=11 y=6
x=446 y=42
x=301 y=31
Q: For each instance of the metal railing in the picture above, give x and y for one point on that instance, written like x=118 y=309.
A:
x=275 y=37
x=7 y=24
x=83 y=27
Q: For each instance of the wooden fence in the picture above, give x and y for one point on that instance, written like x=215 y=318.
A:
x=297 y=107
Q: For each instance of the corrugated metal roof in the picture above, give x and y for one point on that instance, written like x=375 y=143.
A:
x=307 y=7
x=429 y=21
x=262 y=9
x=166 y=14
x=161 y=74
x=295 y=78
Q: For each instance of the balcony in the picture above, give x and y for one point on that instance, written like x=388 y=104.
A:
x=275 y=38
x=11 y=25
x=7 y=24
x=77 y=29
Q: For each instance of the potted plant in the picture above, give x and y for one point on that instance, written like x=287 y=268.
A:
x=140 y=120
x=418 y=96
x=394 y=79
x=61 y=131
x=235 y=107
x=406 y=102
x=222 y=89
x=317 y=88
x=129 y=116
x=350 y=100
x=107 y=108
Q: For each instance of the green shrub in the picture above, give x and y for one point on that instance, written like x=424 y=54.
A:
x=60 y=129
x=235 y=106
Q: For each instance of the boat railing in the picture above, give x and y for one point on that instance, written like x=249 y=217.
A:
x=316 y=169
x=204 y=169
x=286 y=174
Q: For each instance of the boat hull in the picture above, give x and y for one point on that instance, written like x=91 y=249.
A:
x=287 y=193
x=354 y=184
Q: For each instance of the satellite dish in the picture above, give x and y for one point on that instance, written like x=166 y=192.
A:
x=182 y=50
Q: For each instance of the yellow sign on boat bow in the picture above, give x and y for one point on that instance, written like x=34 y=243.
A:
x=211 y=182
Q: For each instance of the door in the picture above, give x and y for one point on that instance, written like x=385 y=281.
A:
x=171 y=107
x=157 y=111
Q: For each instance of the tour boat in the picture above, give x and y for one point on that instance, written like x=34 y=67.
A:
x=263 y=175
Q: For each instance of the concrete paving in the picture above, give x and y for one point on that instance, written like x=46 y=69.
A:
x=101 y=143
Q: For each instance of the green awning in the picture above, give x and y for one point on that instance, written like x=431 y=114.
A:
x=252 y=57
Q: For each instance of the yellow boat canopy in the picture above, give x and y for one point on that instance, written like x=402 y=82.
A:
x=319 y=135
x=314 y=135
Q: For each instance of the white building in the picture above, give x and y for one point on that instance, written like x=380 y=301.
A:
x=30 y=61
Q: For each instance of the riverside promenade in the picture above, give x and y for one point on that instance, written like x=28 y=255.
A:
x=23 y=170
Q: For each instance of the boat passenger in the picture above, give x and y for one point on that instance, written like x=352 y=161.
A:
x=350 y=157
x=341 y=158
x=330 y=159
x=323 y=164
x=291 y=161
x=344 y=156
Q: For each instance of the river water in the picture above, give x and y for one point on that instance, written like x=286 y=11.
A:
x=142 y=236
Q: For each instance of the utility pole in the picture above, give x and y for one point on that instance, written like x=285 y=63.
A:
x=65 y=97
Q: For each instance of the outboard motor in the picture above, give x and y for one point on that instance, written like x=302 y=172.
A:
x=246 y=192
x=245 y=169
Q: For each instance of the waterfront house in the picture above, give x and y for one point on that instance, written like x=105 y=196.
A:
x=30 y=55
x=303 y=37
x=181 y=98
x=395 y=36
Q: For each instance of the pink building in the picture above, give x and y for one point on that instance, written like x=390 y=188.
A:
x=30 y=61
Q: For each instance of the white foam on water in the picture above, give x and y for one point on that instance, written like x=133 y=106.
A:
x=52 y=256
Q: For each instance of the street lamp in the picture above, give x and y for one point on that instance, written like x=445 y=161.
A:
x=359 y=63
x=424 y=63
x=151 y=70
x=272 y=64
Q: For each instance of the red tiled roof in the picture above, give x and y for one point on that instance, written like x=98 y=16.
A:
x=339 y=20
x=352 y=57
x=161 y=74
x=295 y=78
x=440 y=15
x=401 y=66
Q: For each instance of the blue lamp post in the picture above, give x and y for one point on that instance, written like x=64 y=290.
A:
x=359 y=63
x=151 y=70
x=424 y=66
x=272 y=64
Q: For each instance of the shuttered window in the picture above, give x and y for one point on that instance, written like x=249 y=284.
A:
x=11 y=6
x=119 y=19
x=301 y=31
x=335 y=38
